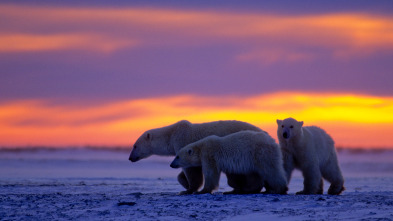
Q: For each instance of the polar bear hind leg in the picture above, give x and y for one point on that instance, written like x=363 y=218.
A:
x=332 y=173
x=274 y=180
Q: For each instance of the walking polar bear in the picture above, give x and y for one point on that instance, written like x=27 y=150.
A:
x=311 y=150
x=245 y=152
x=167 y=141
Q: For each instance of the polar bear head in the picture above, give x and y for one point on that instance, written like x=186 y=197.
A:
x=288 y=128
x=143 y=147
x=159 y=141
x=188 y=156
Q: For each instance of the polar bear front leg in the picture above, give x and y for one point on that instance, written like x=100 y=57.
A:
x=289 y=164
x=212 y=178
x=182 y=179
x=194 y=179
x=320 y=189
x=312 y=180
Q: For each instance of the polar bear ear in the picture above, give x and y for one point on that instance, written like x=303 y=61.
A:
x=148 y=136
x=301 y=123
x=279 y=122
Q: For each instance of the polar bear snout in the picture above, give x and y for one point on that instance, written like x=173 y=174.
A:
x=133 y=158
x=286 y=133
x=175 y=162
x=133 y=155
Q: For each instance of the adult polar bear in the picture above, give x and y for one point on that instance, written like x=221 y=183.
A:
x=311 y=150
x=167 y=141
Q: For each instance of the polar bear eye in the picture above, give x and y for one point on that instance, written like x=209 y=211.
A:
x=282 y=126
x=189 y=152
x=148 y=136
x=291 y=126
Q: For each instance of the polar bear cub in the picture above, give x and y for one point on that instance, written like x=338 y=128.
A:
x=311 y=150
x=243 y=152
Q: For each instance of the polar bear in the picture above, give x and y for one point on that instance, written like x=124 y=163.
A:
x=167 y=141
x=311 y=150
x=243 y=152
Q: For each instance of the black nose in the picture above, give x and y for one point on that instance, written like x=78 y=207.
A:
x=133 y=159
x=174 y=165
x=285 y=135
x=175 y=162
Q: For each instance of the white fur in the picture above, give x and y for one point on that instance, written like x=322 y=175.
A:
x=167 y=141
x=311 y=150
x=243 y=152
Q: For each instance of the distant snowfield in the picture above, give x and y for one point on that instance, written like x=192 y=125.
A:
x=85 y=184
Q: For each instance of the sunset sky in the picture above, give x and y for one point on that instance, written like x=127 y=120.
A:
x=101 y=73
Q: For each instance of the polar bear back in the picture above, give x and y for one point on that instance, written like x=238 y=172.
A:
x=194 y=132
x=243 y=151
x=220 y=128
x=319 y=143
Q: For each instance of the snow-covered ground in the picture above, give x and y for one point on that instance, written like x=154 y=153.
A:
x=88 y=184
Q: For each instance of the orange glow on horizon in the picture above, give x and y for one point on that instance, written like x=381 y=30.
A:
x=352 y=120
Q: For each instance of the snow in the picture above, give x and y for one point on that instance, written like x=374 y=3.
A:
x=89 y=184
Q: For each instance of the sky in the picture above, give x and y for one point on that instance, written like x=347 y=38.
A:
x=101 y=73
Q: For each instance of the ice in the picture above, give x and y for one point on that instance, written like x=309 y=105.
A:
x=101 y=184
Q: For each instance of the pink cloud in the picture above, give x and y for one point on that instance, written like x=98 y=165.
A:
x=281 y=37
x=33 y=42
